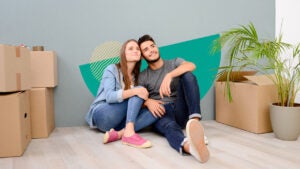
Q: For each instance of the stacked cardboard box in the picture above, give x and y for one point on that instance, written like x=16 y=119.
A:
x=14 y=123
x=43 y=69
x=14 y=68
x=15 y=114
x=42 y=112
x=27 y=80
x=252 y=96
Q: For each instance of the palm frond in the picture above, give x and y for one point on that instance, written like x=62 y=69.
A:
x=247 y=51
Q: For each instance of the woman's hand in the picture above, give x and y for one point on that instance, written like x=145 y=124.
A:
x=141 y=92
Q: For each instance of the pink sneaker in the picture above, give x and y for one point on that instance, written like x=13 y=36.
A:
x=136 y=141
x=110 y=136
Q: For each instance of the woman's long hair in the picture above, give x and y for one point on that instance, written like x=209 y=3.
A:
x=122 y=65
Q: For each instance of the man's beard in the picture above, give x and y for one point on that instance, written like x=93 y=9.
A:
x=152 y=61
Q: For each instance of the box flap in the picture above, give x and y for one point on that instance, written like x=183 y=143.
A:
x=236 y=76
x=261 y=80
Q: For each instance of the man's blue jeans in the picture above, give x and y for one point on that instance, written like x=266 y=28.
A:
x=116 y=115
x=186 y=106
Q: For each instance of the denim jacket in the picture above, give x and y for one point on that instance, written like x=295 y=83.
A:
x=110 y=91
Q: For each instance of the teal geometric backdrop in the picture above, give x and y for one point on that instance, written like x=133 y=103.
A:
x=197 y=51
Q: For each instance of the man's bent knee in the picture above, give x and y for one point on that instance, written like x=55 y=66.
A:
x=188 y=76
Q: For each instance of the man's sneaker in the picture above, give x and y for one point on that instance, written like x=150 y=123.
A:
x=136 y=141
x=195 y=136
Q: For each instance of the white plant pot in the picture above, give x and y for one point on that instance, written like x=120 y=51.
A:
x=285 y=122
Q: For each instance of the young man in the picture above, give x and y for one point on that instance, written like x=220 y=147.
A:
x=174 y=98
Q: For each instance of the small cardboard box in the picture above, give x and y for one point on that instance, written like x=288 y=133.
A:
x=43 y=69
x=14 y=123
x=14 y=68
x=42 y=112
x=252 y=96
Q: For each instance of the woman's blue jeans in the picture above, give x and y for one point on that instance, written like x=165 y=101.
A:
x=116 y=115
x=186 y=106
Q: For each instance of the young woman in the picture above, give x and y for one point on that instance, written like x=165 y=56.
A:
x=119 y=100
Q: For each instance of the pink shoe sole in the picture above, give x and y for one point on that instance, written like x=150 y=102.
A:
x=136 y=141
x=110 y=136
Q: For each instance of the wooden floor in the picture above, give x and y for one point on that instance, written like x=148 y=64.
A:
x=82 y=148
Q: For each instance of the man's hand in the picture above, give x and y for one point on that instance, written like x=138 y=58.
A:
x=155 y=107
x=165 y=89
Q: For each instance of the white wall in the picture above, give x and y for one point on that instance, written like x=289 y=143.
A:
x=287 y=21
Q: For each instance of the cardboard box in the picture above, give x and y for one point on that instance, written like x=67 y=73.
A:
x=14 y=68
x=252 y=96
x=14 y=123
x=43 y=69
x=42 y=112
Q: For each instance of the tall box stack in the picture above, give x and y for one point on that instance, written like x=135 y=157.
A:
x=43 y=81
x=252 y=96
x=15 y=123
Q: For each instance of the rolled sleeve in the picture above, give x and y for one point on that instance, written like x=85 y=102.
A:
x=120 y=95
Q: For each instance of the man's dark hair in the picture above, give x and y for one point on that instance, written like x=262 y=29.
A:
x=145 y=38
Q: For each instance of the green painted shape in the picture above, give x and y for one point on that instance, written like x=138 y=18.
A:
x=196 y=51
x=90 y=81
x=89 y=78
x=98 y=67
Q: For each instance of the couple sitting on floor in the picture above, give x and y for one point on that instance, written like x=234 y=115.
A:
x=165 y=95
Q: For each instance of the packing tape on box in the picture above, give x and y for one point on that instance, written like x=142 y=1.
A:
x=18 y=51
x=38 y=48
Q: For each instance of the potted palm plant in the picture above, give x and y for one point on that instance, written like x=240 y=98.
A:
x=274 y=58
